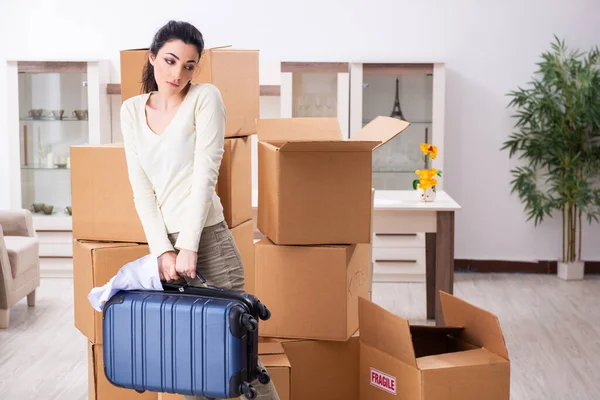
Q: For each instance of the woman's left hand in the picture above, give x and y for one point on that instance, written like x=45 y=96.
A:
x=186 y=263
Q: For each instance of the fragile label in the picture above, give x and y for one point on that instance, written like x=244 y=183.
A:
x=383 y=381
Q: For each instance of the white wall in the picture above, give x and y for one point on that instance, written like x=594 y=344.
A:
x=489 y=48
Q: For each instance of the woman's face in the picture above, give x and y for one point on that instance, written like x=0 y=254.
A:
x=174 y=66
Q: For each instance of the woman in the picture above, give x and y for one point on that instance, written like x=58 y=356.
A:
x=174 y=142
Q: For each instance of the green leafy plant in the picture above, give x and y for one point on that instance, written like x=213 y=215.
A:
x=558 y=134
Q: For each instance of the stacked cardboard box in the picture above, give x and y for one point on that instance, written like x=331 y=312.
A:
x=312 y=269
x=314 y=209
x=106 y=229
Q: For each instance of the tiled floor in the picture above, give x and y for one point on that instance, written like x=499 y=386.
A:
x=552 y=330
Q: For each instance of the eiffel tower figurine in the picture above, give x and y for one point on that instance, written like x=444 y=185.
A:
x=397 y=111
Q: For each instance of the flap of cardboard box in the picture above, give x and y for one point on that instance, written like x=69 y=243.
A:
x=481 y=327
x=136 y=49
x=206 y=49
x=385 y=331
x=269 y=346
x=299 y=129
x=275 y=360
x=459 y=359
x=225 y=46
x=381 y=129
x=337 y=146
x=95 y=245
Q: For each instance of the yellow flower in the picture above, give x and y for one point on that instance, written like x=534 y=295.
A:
x=425 y=185
x=433 y=150
x=430 y=150
x=422 y=173
x=426 y=173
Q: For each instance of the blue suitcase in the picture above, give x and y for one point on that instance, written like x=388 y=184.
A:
x=185 y=340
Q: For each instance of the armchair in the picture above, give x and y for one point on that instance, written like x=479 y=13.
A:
x=19 y=261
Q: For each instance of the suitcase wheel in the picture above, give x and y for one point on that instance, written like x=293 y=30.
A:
x=249 y=322
x=263 y=377
x=248 y=391
x=263 y=312
x=139 y=391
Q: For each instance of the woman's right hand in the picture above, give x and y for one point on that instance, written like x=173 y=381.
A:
x=166 y=266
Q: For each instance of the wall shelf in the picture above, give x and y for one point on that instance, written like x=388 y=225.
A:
x=314 y=67
x=397 y=69
x=39 y=67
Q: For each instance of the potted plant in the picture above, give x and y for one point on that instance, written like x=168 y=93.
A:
x=428 y=177
x=558 y=135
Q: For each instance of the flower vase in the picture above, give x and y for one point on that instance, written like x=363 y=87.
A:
x=428 y=195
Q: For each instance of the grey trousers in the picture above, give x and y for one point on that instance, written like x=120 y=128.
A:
x=220 y=264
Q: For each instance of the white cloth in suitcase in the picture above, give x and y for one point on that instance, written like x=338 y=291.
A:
x=140 y=274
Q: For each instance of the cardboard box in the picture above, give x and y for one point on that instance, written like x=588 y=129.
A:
x=243 y=237
x=94 y=264
x=99 y=388
x=312 y=291
x=465 y=360
x=314 y=187
x=234 y=185
x=324 y=369
x=170 y=396
x=102 y=197
x=275 y=361
x=234 y=72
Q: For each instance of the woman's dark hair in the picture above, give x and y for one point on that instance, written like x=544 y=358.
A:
x=173 y=30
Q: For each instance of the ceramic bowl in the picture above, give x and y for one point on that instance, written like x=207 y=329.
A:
x=47 y=209
x=57 y=114
x=36 y=113
x=81 y=114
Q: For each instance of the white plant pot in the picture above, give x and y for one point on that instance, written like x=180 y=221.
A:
x=571 y=271
x=427 y=195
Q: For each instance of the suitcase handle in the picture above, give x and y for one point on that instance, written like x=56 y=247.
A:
x=254 y=305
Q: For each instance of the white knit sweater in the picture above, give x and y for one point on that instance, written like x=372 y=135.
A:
x=173 y=175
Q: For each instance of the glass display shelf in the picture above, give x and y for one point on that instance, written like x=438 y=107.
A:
x=316 y=90
x=44 y=167
x=407 y=97
x=69 y=119
x=315 y=95
x=53 y=114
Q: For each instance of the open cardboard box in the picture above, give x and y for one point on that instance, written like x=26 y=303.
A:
x=465 y=360
x=233 y=71
x=324 y=369
x=313 y=186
